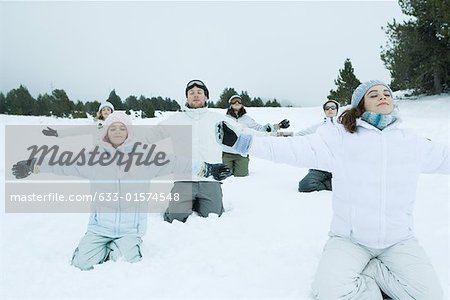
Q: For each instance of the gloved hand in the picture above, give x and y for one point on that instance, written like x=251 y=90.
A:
x=217 y=171
x=225 y=135
x=269 y=128
x=284 y=124
x=23 y=168
x=50 y=132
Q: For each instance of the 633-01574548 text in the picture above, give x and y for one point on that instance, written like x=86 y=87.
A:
x=137 y=197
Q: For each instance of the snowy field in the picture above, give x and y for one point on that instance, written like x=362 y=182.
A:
x=265 y=246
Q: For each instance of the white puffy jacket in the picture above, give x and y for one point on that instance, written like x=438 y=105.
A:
x=204 y=145
x=375 y=175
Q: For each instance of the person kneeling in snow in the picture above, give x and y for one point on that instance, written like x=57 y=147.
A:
x=376 y=167
x=236 y=111
x=115 y=228
x=318 y=180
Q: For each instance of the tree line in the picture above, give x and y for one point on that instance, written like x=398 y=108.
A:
x=246 y=100
x=20 y=102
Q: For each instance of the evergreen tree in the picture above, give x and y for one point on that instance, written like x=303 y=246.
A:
x=44 y=104
x=133 y=103
x=273 y=103
x=115 y=100
x=346 y=83
x=78 y=110
x=257 y=102
x=211 y=104
x=174 y=106
x=61 y=105
x=2 y=104
x=20 y=102
x=417 y=53
x=246 y=100
x=91 y=108
x=148 y=111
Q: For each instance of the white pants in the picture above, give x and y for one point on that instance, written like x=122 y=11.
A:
x=351 y=271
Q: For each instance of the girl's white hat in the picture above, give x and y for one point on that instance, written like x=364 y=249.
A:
x=105 y=104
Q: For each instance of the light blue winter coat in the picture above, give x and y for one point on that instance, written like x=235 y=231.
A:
x=122 y=217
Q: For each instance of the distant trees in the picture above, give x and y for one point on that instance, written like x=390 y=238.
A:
x=2 y=104
x=346 y=83
x=61 y=105
x=143 y=104
x=273 y=103
x=20 y=102
x=44 y=105
x=223 y=98
x=246 y=100
x=417 y=53
x=91 y=107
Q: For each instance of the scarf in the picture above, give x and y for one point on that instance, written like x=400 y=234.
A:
x=378 y=120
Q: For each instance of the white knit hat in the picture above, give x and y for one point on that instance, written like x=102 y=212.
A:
x=105 y=104
x=362 y=89
x=121 y=117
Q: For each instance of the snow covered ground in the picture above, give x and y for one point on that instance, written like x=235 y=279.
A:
x=265 y=246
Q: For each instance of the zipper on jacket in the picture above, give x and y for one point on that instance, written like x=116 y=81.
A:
x=382 y=233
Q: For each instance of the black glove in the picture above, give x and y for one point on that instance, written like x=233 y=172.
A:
x=217 y=171
x=226 y=135
x=269 y=127
x=23 y=168
x=50 y=132
x=284 y=123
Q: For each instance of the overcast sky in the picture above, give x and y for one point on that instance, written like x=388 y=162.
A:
x=291 y=51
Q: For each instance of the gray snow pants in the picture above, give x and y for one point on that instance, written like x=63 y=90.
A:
x=348 y=271
x=96 y=249
x=204 y=197
x=315 y=180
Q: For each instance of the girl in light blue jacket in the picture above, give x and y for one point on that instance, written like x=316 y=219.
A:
x=119 y=216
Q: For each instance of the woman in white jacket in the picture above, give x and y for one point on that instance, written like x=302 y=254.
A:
x=317 y=180
x=375 y=166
